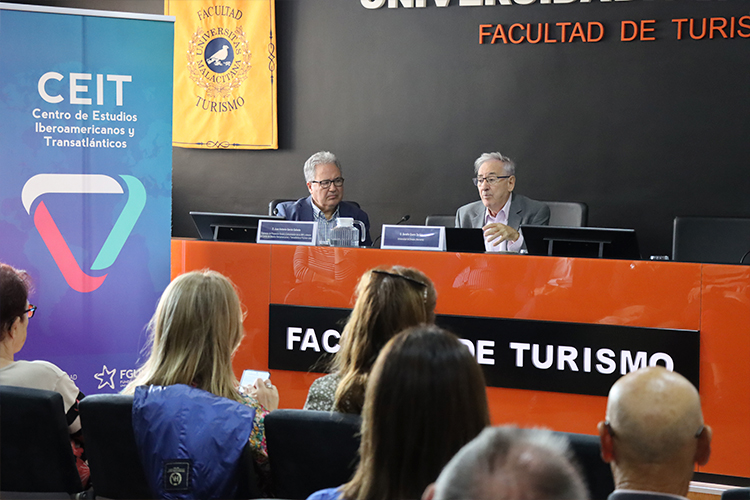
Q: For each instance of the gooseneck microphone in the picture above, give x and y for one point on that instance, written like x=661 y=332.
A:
x=403 y=219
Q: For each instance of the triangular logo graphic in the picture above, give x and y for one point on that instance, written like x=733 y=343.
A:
x=82 y=184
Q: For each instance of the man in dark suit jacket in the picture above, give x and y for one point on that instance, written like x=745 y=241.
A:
x=500 y=212
x=653 y=435
x=324 y=205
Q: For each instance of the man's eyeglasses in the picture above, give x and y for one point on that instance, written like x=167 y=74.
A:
x=491 y=179
x=338 y=182
x=30 y=311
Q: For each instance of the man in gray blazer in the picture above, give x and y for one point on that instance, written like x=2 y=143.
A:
x=500 y=211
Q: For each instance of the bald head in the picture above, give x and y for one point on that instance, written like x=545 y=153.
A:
x=654 y=433
x=654 y=413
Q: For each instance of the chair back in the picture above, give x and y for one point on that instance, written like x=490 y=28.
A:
x=596 y=472
x=716 y=240
x=116 y=470
x=35 y=451
x=311 y=450
x=736 y=494
x=274 y=203
x=568 y=213
x=440 y=220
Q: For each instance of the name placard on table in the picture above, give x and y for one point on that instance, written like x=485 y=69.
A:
x=287 y=232
x=397 y=237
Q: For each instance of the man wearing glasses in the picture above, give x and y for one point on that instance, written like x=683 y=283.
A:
x=324 y=205
x=653 y=435
x=500 y=211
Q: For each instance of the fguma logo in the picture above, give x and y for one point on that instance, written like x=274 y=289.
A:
x=42 y=184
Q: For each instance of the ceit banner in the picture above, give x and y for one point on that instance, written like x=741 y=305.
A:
x=224 y=74
x=86 y=181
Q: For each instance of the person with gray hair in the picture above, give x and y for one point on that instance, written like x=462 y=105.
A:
x=508 y=463
x=324 y=205
x=500 y=211
x=653 y=435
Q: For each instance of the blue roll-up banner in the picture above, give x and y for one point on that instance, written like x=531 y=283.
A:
x=86 y=181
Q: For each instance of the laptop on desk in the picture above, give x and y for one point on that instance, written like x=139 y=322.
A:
x=229 y=227
x=591 y=242
x=461 y=239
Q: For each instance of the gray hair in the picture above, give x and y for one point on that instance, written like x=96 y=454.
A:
x=319 y=158
x=508 y=165
x=505 y=463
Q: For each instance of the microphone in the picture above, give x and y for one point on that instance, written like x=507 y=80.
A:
x=403 y=219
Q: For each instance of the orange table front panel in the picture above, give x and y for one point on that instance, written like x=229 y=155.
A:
x=713 y=299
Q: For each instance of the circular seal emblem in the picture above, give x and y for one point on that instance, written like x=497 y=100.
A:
x=218 y=55
x=218 y=60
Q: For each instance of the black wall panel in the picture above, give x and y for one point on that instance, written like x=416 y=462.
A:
x=407 y=98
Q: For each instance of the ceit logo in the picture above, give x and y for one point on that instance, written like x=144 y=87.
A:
x=83 y=184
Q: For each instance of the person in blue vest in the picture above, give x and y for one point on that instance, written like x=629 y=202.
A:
x=194 y=334
x=324 y=205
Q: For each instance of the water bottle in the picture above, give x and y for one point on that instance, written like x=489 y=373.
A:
x=345 y=234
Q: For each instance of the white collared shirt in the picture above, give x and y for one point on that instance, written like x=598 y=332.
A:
x=502 y=218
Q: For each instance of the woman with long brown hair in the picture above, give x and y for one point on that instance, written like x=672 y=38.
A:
x=388 y=300
x=425 y=399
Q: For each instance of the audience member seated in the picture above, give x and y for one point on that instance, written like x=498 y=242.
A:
x=194 y=333
x=387 y=302
x=324 y=205
x=425 y=400
x=508 y=463
x=653 y=435
x=15 y=312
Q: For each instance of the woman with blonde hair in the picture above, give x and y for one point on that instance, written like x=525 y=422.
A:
x=426 y=398
x=194 y=333
x=388 y=300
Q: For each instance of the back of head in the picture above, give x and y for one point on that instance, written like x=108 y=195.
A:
x=195 y=331
x=425 y=399
x=655 y=415
x=388 y=301
x=507 y=463
x=14 y=292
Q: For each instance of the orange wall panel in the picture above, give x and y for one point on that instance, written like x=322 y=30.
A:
x=709 y=298
x=725 y=366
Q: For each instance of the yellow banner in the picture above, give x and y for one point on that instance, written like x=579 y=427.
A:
x=224 y=74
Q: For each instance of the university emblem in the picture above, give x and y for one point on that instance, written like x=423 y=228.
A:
x=218 y=61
